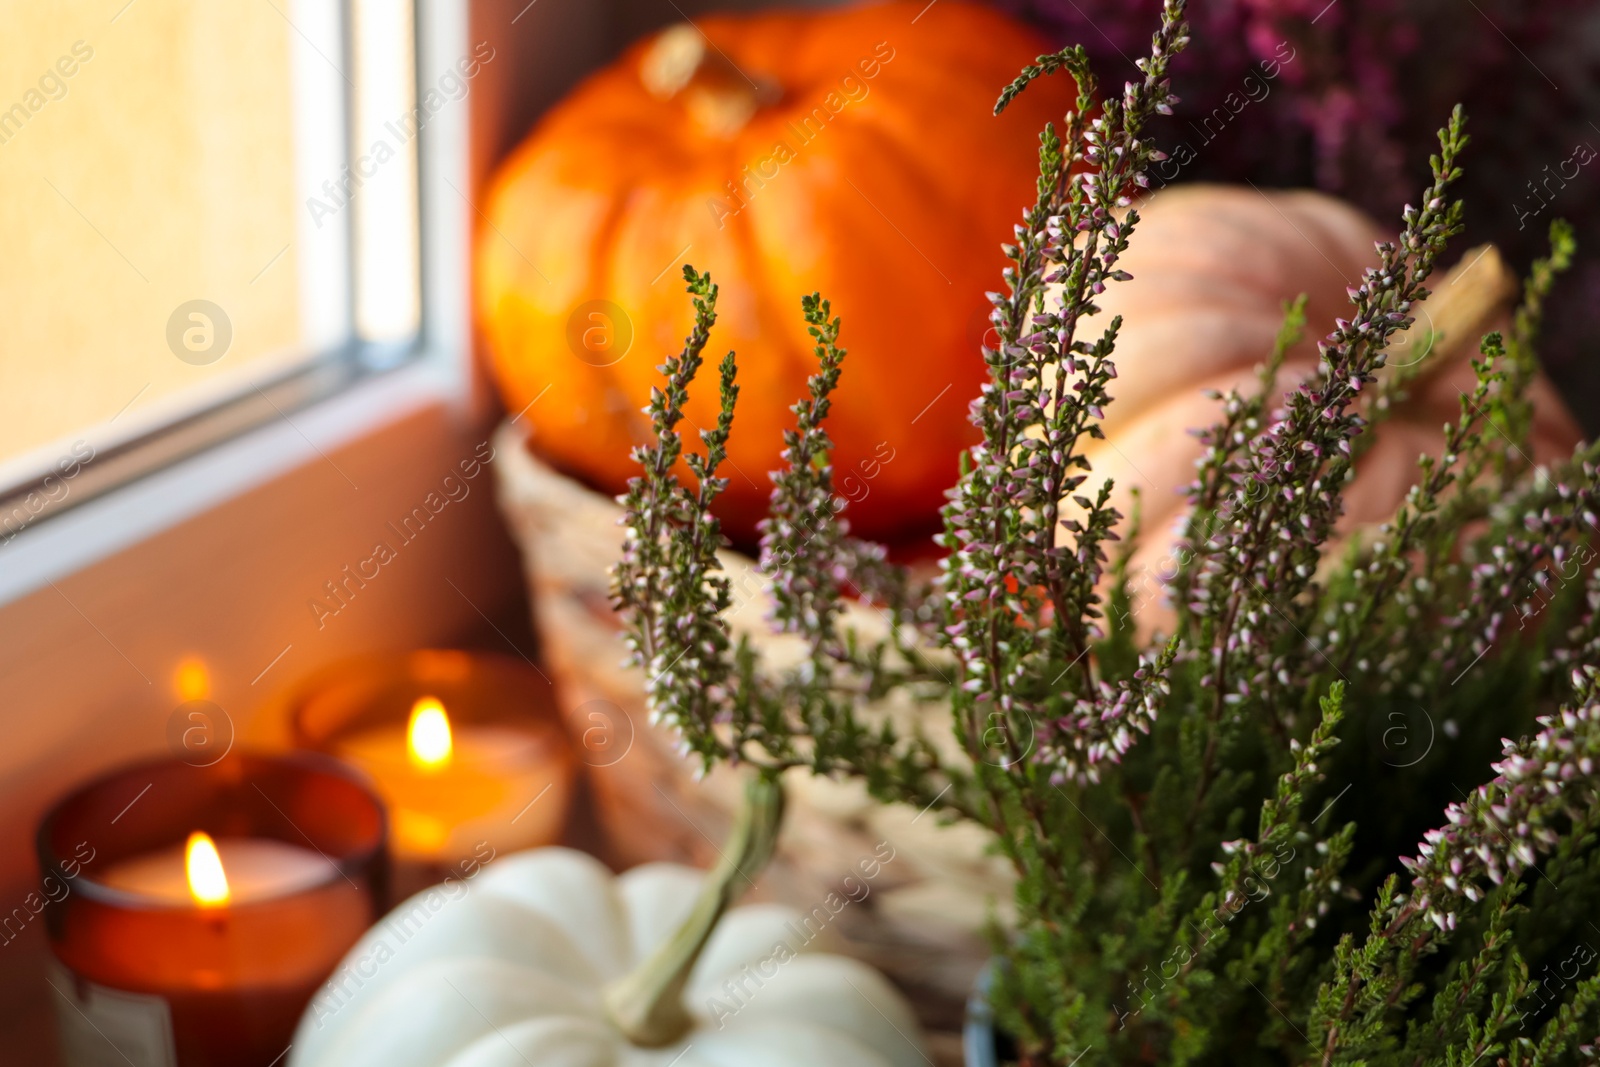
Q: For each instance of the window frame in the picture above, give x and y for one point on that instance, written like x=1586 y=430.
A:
x=150 y=479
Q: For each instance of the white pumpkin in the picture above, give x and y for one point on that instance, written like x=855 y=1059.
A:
x=533 y=962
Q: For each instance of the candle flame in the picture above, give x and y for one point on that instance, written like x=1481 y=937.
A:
x=192 y=680
x=428 y=735
x=207 y=882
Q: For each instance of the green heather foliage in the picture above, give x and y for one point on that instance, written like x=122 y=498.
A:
x=1293 y=831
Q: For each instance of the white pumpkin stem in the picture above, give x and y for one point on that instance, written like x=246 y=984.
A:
x=720 y=97
x=647 y=1003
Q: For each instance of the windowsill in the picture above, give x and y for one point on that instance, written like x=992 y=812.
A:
x=57 y=546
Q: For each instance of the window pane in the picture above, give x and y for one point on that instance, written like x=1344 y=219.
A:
x=148 y=161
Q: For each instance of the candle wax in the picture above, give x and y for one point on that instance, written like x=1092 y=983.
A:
x=257 y=868
x=493 y=789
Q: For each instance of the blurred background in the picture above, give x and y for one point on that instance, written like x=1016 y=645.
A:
x=239 y=339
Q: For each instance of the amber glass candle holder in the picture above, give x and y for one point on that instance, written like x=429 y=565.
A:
x=466 y=749
x=145 y=967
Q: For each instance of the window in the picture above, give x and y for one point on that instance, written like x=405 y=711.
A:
x=211 y=216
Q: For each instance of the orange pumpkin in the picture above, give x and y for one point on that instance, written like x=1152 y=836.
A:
x=853 y=152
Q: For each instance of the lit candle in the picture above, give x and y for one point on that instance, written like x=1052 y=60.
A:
x=237 y=870
x=181 y=946
x=450 y=786
x=466 y=750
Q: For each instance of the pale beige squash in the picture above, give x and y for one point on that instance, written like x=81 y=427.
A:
x=1212 y=267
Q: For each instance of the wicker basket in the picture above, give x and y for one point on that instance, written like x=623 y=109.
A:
x=919 y=919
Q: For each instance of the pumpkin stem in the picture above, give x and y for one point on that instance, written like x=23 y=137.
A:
x=678 y=64
x=647 y=1003
x=1456 y=315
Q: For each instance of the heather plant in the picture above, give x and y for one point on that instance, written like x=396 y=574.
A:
x=1345 y=812
x=1345 y=96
